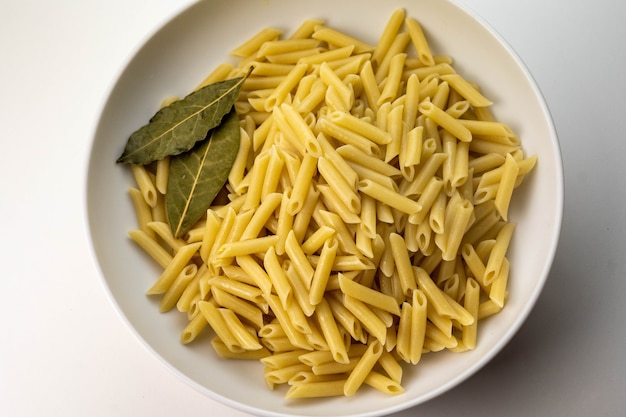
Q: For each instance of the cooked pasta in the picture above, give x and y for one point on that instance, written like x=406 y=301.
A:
x=365 y=221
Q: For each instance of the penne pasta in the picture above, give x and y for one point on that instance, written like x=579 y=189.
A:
x=364 y=221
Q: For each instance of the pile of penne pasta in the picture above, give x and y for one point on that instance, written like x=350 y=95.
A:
x=364 y=222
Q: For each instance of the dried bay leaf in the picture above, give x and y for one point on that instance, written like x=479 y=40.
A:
x=197 y=176
x=178 y=127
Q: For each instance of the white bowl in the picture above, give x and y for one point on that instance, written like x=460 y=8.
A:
x=180 y=53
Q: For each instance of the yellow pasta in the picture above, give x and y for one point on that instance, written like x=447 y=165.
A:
x=364 y=223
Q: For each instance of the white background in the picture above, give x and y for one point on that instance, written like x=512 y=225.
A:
x=65 y=352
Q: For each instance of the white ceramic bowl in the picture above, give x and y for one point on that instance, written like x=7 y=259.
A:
x=182 y=52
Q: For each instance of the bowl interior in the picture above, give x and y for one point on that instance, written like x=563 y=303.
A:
x=181 y=53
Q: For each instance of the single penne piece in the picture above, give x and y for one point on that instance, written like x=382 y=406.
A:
x=488 y=308
x=418 y=325
x=288 y=84
x=368 y=295
x=162 y=174
x=368 y=319
x=403 y=340
x=145 y=184
x=419 y=41
x=396 y=129
x=316 y=240
x=460 y=169
x=316 y=389
x=252 y=45
x=433 y=293
x=498 y=290
x=273 y=173
x=278 y=278
x=412 y=149
x=283 y=359
x=236 y=175
x=301 y=222
x=306 y=29
x=466 y=90
x=255 y=188
x=328 y=56
x=281 y=46
x=446 y=121
x=368 y=216
x=354 y=154
x=247 y=247
x=363 y=368
x=237 y=288
x=506 y=186
x=370 y=86
x=322 y=271
x=164 y=231
x=402 y=263
x=278 y=344
x=340 y=39
x=313 y=99
x=255 y=272
x=191 y=290
x=261 y=216
x=220 y=73
x=364 y=243
x=474 y=263
x=388 y=35
x=388 y=196
x=303 y=89
x=392 y=81
x=193 y=329
x=174 y=268
x=360 y=126
x=331 y=333
x=498 y=252
x=490 y=130
x=383 y=383
x=302 y=184
x=301 y=264
x=471 y=304
x=391 y=366
x=285 y=223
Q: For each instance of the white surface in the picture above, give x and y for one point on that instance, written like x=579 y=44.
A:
x=65 y=352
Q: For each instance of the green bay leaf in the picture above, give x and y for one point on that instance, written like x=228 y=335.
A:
x=196 y=176
x=176 y=128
